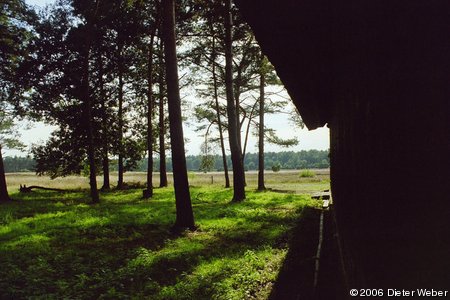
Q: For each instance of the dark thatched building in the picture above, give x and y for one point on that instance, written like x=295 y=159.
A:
x=378 y=73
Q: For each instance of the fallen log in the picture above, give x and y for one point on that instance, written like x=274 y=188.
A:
x=28 y=189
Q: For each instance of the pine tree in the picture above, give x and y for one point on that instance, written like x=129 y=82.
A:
x=233 y=121
x=185 y=216
x=162 y=123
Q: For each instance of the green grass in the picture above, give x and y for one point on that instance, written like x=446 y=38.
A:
x=56 y=245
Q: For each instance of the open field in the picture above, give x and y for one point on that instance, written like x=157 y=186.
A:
x=285 y=180
x=54 y=245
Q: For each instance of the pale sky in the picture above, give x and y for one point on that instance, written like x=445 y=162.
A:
x=40 y=3
x=315 y=139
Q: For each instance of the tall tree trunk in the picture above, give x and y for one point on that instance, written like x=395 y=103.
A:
x=149 y=191
x=185 y=216
x=105 y=164
x=219 y=122
x=162 y=125
x=233 y=122
x=90 y=131
x=261 y=185
x=241 y=122
x=105 y=158
x=120 y=117
x=247 y=131
x=4 y=196
x=236 y=95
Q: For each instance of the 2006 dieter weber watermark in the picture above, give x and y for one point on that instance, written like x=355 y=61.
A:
x=398 y=293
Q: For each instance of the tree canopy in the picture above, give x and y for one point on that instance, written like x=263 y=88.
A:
x=97 y=70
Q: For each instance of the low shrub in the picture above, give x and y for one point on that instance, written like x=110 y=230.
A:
x=307 y=174
x=276 y=167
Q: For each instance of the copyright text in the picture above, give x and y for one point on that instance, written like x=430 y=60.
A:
x=398 y=293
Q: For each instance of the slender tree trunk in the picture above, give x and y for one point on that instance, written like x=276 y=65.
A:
x=185 y=216
x=162 y=125
x=120 y=117
x=4 y=196
x=105 y=165
x=233 y=122
x=261 y=185
x=219 y=122
x=105 y=158
x=236 y=94
x=247 y=131
x=149 y=191
x=90 y=131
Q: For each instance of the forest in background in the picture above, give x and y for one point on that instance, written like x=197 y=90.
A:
x=288 y=160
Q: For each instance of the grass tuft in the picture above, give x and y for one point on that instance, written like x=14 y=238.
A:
x=307 y=174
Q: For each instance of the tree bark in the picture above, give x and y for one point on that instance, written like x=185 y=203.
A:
x=162 y=125
x=105 y=159
x=236 y=94
x=184 y=213
x=247 y=131
x=120 y=116
x=219 y=122
x=233 y=122
x=261 y=186
x=90 y=132
x=148 y=193
x=4 y=196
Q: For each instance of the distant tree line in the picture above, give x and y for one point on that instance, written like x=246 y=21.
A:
x=19 y=164
x=305 y=159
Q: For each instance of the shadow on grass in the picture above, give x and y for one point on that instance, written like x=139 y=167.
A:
x=282 y=191
x=63 y=248
x=296 y=277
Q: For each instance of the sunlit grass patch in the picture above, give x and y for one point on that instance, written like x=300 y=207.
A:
x=248 y=275
x=27 y=244
x=218 y=225
x=90 y=221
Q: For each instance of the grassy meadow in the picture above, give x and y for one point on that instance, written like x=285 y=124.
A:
x=56 y=245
